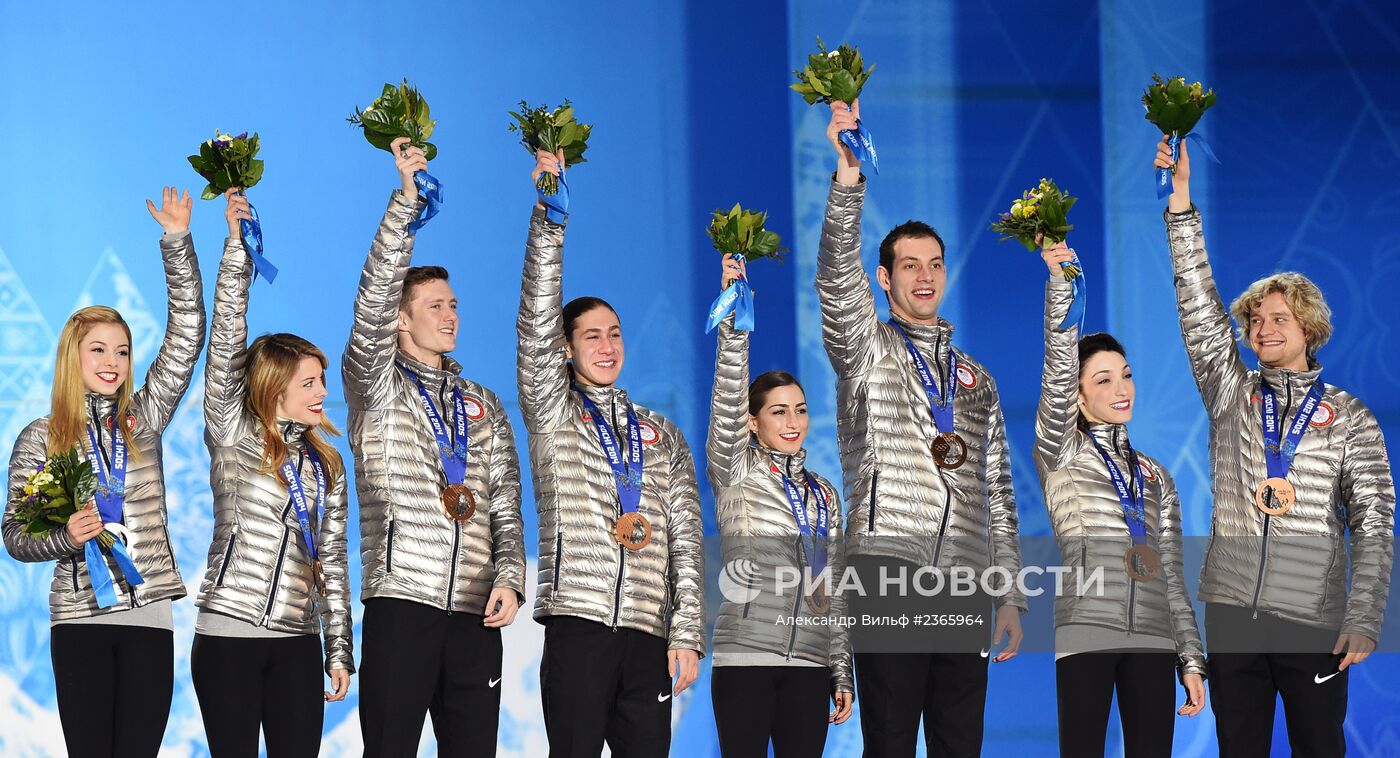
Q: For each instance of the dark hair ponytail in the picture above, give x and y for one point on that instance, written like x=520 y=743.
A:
x=766 y=382
x=579 y=306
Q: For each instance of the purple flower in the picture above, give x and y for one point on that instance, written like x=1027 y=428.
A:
x=242 y=136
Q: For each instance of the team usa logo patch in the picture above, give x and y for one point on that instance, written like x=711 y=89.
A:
x=130 y=424
x=1324 y=415
x=649 y=434
x=476 y=410
x=1148 y=475
x=966 y=378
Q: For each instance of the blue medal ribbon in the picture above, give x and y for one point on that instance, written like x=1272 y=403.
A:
x=1080 y=288
x=1278 y=454
x=940 y=404
x=299 y=503
x=430 y=189
x=626 y=472
x=251 y=229
x=110 y=497
x=556 y=206
x=737 y=297
x=452 y=448
x=1164 y=175
x=815 y=536
x=1134 y=510
x=862 y=144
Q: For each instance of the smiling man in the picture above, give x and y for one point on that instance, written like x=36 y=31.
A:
x=438 y=480
x=927 y=472
x=1298 y=467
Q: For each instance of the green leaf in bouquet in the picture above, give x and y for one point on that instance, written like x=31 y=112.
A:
x=1174 y=106
x=843 y=86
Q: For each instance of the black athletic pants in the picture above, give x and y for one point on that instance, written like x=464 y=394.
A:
x=1146 y=687
x=598 y=683
x=1254 y=660
x=245 y=684
x=787 y=704
x=417 y=660
x=949 y=690
x=113 y=685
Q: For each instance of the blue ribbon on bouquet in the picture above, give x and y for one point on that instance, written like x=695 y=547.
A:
x=430 y=189
x=101 y=576
x=556 y=206
x=737 y=297
x=1164 y=175
x=253 y=243
x=862 y=144
x=1079 y=305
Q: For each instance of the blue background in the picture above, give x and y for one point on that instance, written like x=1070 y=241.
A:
x=972 y=102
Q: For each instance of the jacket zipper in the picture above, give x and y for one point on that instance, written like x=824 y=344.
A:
x=943 y=522
x=1132 y=599
x=801 y=566
x=228 y=556
x=456 y=525
x=874 y=487
x=621 y=551
x=558 y=554
x=1132 y=487
x=281 y=550
x=1264 y=542
x=74 y=559
x=389 y=550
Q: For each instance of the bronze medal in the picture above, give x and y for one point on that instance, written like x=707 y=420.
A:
x=318 y=577
x=459 y=502
x=819 y=602
x=949 y=451
x=627 y=528
x=1275 y=496
x=1142 y=563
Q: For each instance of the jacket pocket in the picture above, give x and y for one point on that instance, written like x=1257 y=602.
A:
x=389 y=549
x=874 y=488
x=228 y=556
x=74 y=575
x=558 y=556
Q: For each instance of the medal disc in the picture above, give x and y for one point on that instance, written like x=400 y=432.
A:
x=819 y=602
x=949 y=450
x=1275 y=496
x=459 y=502
x=626 y=531
x=1142 y=563
x=318 y=577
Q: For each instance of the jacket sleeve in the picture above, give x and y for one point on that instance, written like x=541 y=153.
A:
x=225 y=378
x=367 y=366
x=687 y=559
x=842 y=680
x=1001 y=501
x=1205 y=325
x=1368 y=495
x=541 y=373
x=728 y=446
x=1186 y=634
x=31 y=451
x=849 y=319
x=336 y=622
x=170 y=372
x=507 y=531
x=1057 y=417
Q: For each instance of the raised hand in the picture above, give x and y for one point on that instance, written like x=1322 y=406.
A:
x=237 y=209
x=844 y=118
x=174 y=213
x=1055 y=255
x=545 y=163
x=732 y=270
x=1180 y=200
x=409 y=160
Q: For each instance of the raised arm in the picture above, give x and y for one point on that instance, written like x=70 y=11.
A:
x=1368 y=494
x=507 y=542
x=849 y=320
x=1186 y=634
x=25 y=459
x=170 y=372
x=1001 y=502
x=368 y=363
x=225 y=380
x=540 y=357
x=687 y=559
x=1057 y=417
x=1205 y=324
x=728 y=446
x=839 y=658
x=336 y=623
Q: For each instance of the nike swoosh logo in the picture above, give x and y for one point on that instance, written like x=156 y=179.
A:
x=985 y=652
x=1319 y=678
x=663 y=698
x=494 y=682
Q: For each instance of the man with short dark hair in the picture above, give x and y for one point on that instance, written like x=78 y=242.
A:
x=438 y=480
x=927 y=471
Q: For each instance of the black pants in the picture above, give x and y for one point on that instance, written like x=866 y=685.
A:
x=599 y=683
x=417 y=660
x=1146 y=687
x=113 y=685
x=949 y=690
x=244 y=684
x=787 y=704
x=1254 y=660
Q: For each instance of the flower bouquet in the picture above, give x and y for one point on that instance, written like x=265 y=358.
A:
x=229 y=161
x=740 y=233
x=1040 y=218
x=552 y=130
x=1174 y=107
x=401 y=111
x=839 y=76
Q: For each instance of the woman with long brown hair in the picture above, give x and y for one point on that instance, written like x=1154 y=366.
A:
x=277 y=571
x=112 y=640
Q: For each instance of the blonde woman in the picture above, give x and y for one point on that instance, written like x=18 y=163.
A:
x=112 y=645
x=277 y=571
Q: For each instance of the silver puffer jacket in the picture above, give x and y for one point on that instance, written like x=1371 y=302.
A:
x=409 y=548
x=143 y=511
x=1087 y=515
x=259 y=569
x=900 y=504
x=756 y=525
x=1293 y=566
x=659 y=589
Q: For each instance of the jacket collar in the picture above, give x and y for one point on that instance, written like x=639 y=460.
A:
x=291 y=431
x=792 y=464
x=931 y=339
x=603 y=397
x=1111 y=437
x=1284 y=380
x=431 y=376
x=99 y=409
